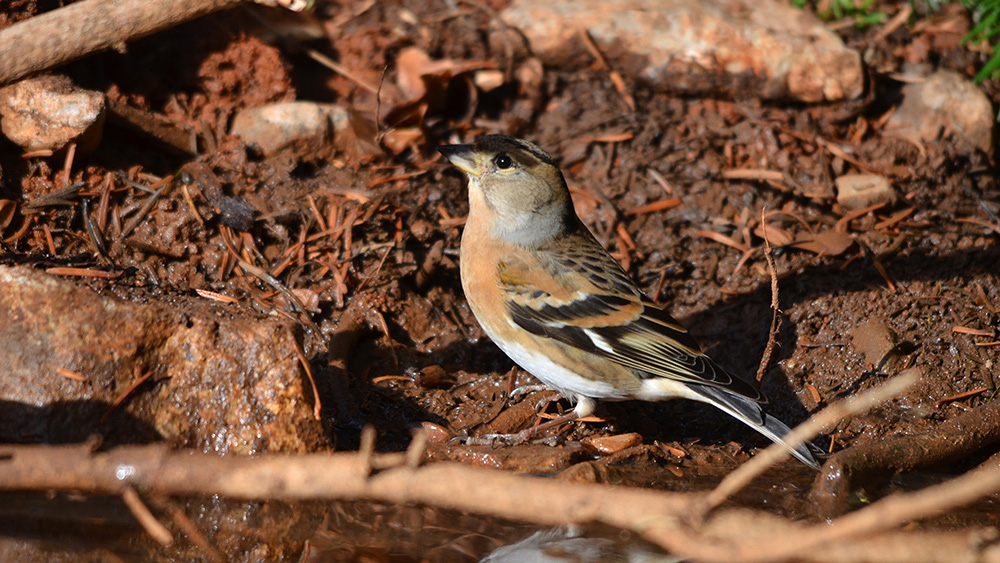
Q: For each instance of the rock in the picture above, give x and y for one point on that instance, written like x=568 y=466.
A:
x=764 y=48
x=50 y=112
x=306 y=126
x=217 y=383
x=948 y=106
x=857 y=191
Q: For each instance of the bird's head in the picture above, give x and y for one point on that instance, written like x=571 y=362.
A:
x=515 y=188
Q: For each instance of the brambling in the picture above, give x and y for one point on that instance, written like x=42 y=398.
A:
x=553 y=299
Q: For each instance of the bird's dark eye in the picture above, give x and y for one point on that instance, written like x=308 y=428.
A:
x=503 y=161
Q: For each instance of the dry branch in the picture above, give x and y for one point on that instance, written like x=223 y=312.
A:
x=729 y=535
x=66 y=34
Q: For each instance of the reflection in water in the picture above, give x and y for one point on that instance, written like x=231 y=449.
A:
x=563 y=546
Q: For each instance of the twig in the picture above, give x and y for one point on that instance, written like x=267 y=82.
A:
x=270 y=280
x=124 y=395
x=165 y=183
x=193 y=533
x=82 y=272
x=613 y=75
x=378 y=107
x=317 y=404
x=772 y=335
x=378 y=269
x=817 y=423
x=340 y=69
x=86 y=27
x=153 y=527
x=735 y=535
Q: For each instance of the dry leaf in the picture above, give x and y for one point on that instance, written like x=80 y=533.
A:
x=611 y=444
x=7 y=209
x=830 y=243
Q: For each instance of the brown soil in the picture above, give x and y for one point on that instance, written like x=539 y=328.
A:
x=395 y=266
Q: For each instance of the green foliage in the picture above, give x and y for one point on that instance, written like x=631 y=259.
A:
x=858 y=10
x=986 y=15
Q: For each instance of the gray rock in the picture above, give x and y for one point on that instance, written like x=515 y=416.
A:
x=763 y=48
x=49 y=112
x=944 y=106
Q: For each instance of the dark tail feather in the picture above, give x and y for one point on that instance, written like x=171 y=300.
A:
x=750 y=413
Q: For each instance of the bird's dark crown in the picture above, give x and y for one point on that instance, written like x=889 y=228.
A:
x=504 y=144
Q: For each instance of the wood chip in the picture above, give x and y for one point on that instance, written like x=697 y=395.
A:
x=753 y=174
x=661 y=205
x=895 y=218
x=672 y=450
x=612 y=444
x=962 y=395
x=614 y=137
x=814 y=393
x=70 y=374
x=83 y=273
x=214 y=296
x=972 y=331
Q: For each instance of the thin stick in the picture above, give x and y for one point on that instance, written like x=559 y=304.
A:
x=124 y=395
x=340 y=69
x=738 y=535
x=772 y=335
x=165 y=183
x=317 y=404
x=79 y=29
x=153 y=527
x=193 y=533
x=829 y=416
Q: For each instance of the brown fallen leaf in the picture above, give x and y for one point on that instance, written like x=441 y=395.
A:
x=611 y=444
x=830 y=243
x=877 y=341
x=775 y=235
x=7 y=208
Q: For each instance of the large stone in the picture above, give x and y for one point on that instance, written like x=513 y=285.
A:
x=49 y=112
x=305 y=126
x=944 y=106
x=761 y=48
x=217 y=383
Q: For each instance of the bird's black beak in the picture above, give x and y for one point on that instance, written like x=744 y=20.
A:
x=463 y=156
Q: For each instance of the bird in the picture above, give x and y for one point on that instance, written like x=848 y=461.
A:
x=561 y=307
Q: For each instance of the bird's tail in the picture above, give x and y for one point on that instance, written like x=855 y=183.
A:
x=750 y=413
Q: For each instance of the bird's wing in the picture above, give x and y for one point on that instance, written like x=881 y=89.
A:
x=587 y=301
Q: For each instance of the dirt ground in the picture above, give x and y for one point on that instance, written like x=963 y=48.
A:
x=919 y=267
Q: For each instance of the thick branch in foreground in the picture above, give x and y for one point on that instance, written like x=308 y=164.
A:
x=661 y=517
x=89 y=26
